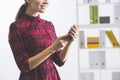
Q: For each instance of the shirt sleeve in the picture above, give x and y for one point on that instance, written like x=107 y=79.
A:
x=17 y=47
x=55 y=56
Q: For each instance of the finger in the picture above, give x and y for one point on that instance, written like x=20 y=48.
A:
x=76 y=27
x=74 y=33
x=72 y=36
x=73 y=29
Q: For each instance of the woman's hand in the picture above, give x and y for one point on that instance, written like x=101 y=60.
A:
x=65 y=39
x=73 y=32
x=60 y=42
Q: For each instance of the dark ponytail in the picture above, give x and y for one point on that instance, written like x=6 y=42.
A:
x=21 y=11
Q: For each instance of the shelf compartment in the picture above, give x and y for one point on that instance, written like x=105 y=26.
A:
x=111 y=59
x=99 y=74
x=104 y=41
x=98 y=3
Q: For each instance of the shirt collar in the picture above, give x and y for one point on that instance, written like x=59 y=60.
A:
x=32 y=18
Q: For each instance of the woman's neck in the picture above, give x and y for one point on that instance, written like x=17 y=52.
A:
x=31 y=12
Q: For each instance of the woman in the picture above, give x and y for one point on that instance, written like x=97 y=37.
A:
x=34 y=43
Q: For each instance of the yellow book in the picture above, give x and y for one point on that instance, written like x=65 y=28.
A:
x=114 y=38
x=92 y=45
x=93 y=39
x=110 y=38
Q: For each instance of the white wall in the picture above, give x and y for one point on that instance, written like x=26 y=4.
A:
x=61 y=12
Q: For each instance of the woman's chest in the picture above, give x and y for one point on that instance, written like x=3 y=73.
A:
x=38 y=36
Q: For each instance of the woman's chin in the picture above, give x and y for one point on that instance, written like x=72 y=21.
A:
x=42 y=11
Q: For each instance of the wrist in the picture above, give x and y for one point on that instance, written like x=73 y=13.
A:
x=52 y=49
x=69 y=43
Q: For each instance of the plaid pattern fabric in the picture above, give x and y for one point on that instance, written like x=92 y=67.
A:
x=28 y=36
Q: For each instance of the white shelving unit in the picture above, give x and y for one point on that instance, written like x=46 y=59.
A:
x=101 y=62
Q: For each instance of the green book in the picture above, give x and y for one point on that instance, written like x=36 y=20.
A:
x=91 y=11
x=95 y=14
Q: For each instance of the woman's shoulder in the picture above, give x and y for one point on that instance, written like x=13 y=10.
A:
x=13 y=25
x=20 y=23
x=47 y=22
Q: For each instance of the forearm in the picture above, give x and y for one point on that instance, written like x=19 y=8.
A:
x=40 y=57
x=73 y=33
x=64 y=54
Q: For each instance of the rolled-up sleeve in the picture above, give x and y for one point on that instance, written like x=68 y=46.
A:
x=17 y=47
x=57 y=59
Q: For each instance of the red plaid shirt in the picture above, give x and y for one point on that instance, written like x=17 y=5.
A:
x=28 y=36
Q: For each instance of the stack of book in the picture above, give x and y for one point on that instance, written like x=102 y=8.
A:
x=93 y=42
x=112 y=38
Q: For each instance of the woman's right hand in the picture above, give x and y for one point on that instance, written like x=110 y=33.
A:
x=60 y=42
x=67 y=38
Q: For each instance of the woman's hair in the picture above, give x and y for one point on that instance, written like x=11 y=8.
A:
x=21 y=11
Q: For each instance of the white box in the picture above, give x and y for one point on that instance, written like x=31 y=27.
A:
x=92 y=1
x=97 y=60
x=108 y=1
x=102 y=39
x=85 y=1
x=82 y=39
x=87 y=76
x=116 y=76
x=117 y=13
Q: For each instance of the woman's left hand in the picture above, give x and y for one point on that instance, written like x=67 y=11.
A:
x=73 y=32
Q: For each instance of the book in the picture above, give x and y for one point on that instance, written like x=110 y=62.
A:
x=93 y=45
x=92 y=39
x=95 y=10
x=104 y=19
x=91 y=11
x=93 y=42
x=112 y=38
